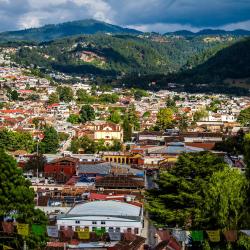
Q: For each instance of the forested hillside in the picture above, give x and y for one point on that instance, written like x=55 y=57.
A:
x=103 y=54
x=222 y=69
x=231 y=62
x=56 y=31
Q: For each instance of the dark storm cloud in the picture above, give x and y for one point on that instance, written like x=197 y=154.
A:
x=145 y=14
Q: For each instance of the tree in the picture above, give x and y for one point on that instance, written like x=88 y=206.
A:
x=147 y=114
x=36 y=162
x=246 y=150
x=84 y=143
x=13 y=95
x=164 y=118
x=74 y=119
x=183 y=122
x=87 y=113
x=84 y=97
x=225 y=200
x=62 y=136
x=180 y=194
x=50 y=142
x=53 y=98
x=133 y=118
x=116 y=146
x=244 y=117
x=115 y=117
x=233 y=144
x=139 y=93
x=65 y=94
x=12 y=141
x=200 y=114
x=170 y=103
x=127 y=128
x=16 y=197
x=109 y=98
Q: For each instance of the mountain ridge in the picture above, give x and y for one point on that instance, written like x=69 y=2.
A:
x=207 y=32
x=55 y=31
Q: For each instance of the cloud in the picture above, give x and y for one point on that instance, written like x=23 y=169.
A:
x=163 y=27
x=159 y=15
x=240 y=25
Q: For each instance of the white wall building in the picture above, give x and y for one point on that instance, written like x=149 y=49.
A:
x=104 y=214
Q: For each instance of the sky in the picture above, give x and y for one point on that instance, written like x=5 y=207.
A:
x=145 y=15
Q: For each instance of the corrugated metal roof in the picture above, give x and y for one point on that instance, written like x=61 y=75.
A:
x=105 y=208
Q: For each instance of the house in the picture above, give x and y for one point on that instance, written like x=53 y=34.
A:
x=63 y=165
x=101 y=130
x=104 y=215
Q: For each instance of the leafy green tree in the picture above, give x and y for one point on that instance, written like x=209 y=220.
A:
x=87 y=113
x=115 y=116
x=244 y=117
x=164 y=118
x=183 y=122
x=13 y=95
x=109 y=98
x=50 y=142
x=12 y=141
x=225 y=200
x=233 y=144
x=53 y=98
x=83 y=143
x=127 y=128
x=246 y=150
x=74 y=119
x=84 y=97
x=180 y=194
x=170 y=103
x=36 y=122
x=17 y=198
x=146 y=114
x=1 y=105
x=133 y=118
x=139 y=93
x=63 y=136
x=36 y=162
x=65 y=94
x=200 y=114
x=116 y=146
x=33 y=97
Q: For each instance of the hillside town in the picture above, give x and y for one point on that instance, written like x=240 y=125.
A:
x=92 y=152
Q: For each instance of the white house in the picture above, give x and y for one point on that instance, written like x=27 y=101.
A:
x=104 y=214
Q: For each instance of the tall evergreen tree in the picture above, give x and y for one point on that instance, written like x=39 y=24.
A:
x=17 y=200
x=50 y=142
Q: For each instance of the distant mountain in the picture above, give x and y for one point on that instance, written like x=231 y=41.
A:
x=119 y=54
x=215 y=70
x=232 y=63
x=55 y=31
x=210 y=32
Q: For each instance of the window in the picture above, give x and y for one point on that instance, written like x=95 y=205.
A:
x=103 y=222
x=103 y=228
x=136 y=230
x=94 y=222
x=129 y=230
x=111 y=228
x=77 y=222
x=93 y=228
x=118 y=229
